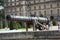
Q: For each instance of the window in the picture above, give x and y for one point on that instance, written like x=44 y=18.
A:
x=29 y=2
x=34 y=1
x=17 y=3
x=9 y=10
x=44 y=6
x=30 y=14
x=34 y=13
x=20 y=9
x=20 y=14
x=39 y=7
x=51 y=6
x=51 y=12
x=11 y=14
x=57 y=4
x=25 y=3
x=17 y=9
x=13 y=4
x=29 y=8
x=13 y=9
x=8 y=4
x=15 y=14
x=58 y=12
x=45 y=13
x=39 y=12
x=34 y=7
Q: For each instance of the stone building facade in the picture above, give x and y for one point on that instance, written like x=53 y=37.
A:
x=14 y=7
x=33 y=7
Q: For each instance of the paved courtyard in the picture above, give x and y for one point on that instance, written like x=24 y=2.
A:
x=23 y=30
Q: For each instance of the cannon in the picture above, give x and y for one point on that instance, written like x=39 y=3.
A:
x=29 y=20
x=26 y=18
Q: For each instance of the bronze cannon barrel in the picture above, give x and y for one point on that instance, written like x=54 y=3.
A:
x=26 y=18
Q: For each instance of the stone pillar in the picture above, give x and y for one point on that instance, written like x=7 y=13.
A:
x=34 y=24
x=26 y=27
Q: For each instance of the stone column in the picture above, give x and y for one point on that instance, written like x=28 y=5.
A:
x=34 y=24
x=26 y=27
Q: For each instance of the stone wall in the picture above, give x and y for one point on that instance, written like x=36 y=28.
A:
x=34 y=35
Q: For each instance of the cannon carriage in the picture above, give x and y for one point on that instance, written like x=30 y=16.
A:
x=29 y=20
